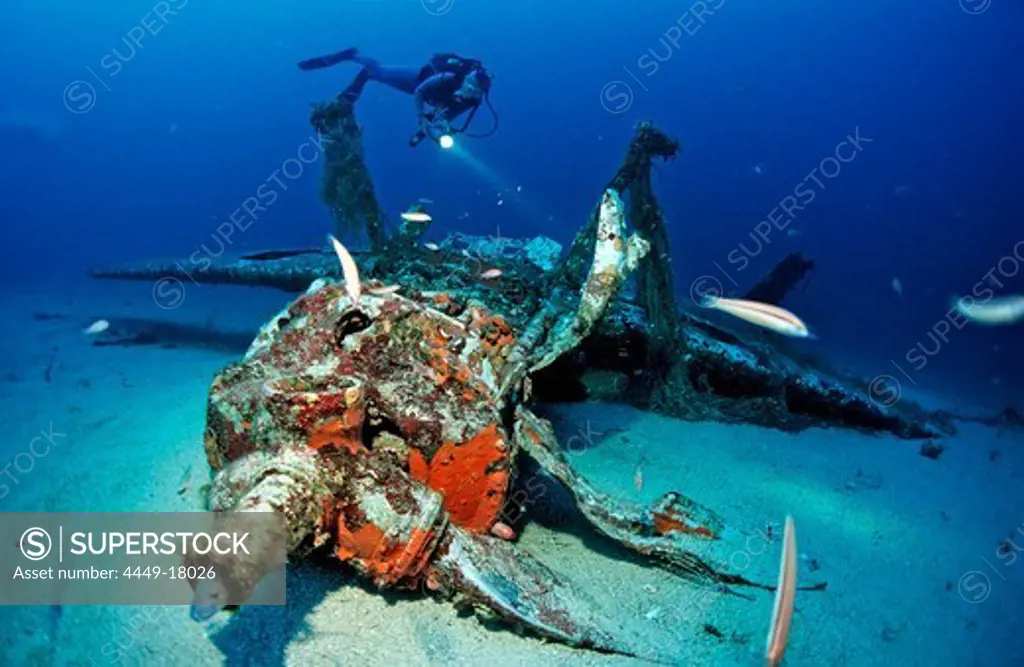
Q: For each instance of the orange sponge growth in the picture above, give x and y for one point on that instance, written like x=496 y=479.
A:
x=472 y=476
x=673 y=513
x=386 y=561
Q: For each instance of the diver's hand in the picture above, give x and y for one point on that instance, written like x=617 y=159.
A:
x=442 y=127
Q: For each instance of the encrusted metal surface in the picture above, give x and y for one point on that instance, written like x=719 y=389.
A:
x=383 y=427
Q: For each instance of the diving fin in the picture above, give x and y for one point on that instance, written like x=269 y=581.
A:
x=322 y=62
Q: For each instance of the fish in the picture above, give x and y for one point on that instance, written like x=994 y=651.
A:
x=503 y=531
x=97 y=327
x=424 y=200
x=491 y=274
x=999 y=310
x=764 y=315
x=348 y=269
x=794 y=233
x=51 y=365
x=186 y=478
x=897 y=286
x=638 y=473
x=384 y=289
x=416 y=216
x=432 y=247
x=782 y=615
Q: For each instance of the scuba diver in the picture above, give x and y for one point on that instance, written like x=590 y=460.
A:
x=445 y=88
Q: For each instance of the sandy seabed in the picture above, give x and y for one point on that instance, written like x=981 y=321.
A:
x=908 y=545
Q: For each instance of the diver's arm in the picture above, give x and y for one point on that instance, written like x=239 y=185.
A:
x=436 y=128
x=428 y=85
x=420 y=95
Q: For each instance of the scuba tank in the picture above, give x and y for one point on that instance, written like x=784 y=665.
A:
x=453 y=63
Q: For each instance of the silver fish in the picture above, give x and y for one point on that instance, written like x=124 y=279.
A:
x=638 y=473
x=348 y=269
x=416 y=216
x=782 y=615
x=1000 y=310
x=764 y=315
x=99 y=326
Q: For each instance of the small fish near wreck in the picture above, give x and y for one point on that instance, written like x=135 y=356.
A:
x=416 y=216
x=776 y=319
x=997 y=311
x=349 y=270
x=185 y=481
x=638 y=473
x=785 y=593
x=97 y=327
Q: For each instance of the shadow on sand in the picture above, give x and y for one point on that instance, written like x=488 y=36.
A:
x=261 y=635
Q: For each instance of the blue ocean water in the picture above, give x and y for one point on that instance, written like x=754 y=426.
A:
x=138 y=129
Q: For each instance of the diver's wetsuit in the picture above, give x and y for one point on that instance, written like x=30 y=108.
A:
x=405 y=79
x=431 y=84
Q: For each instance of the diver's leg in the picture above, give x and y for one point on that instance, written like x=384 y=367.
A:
x=355 y=89
x=321 y=62
x=404 y=79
